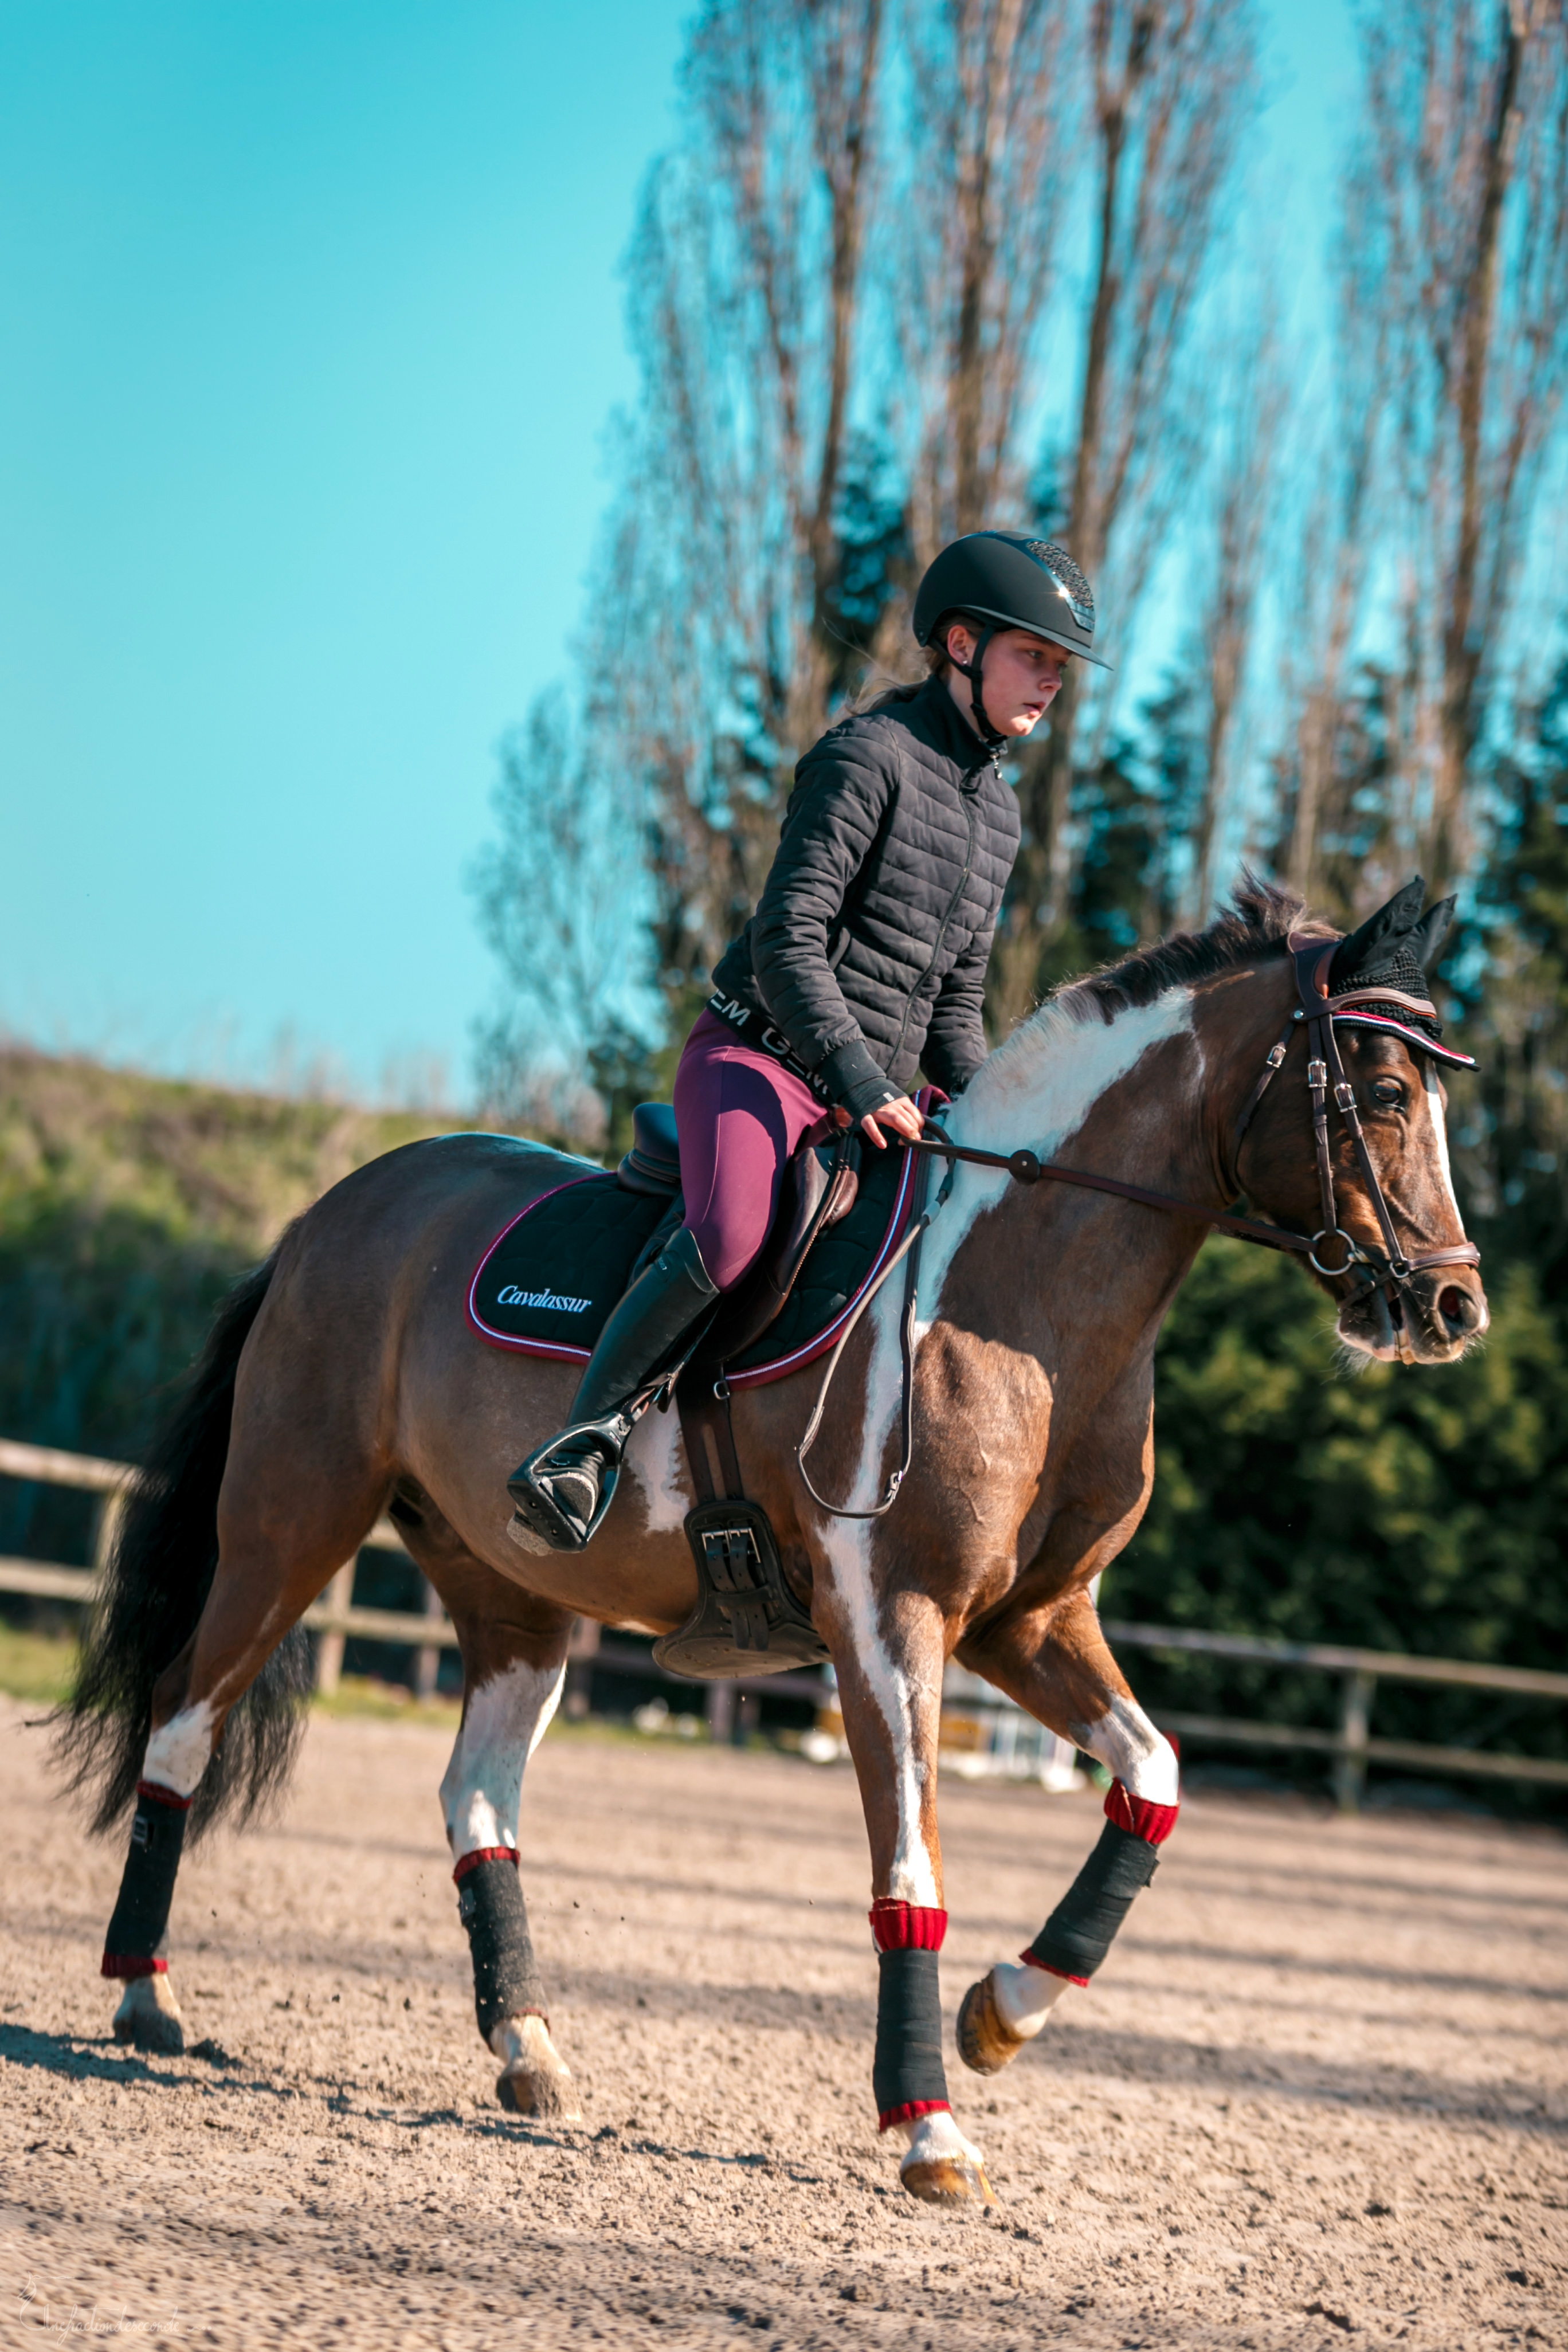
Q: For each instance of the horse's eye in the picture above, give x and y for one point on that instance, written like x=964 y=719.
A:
x=1388 y=1091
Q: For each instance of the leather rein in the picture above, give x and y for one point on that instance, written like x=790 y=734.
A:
x=1389 y=1269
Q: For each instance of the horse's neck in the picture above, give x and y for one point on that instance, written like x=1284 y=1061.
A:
x=1037 y=1092
x=1040 y=1088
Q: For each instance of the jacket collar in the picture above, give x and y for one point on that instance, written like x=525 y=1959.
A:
x=950 y=732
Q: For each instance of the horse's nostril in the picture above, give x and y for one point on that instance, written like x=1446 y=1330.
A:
x=1454 y=1308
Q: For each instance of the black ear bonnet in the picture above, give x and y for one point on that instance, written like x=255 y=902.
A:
x=1395 y=950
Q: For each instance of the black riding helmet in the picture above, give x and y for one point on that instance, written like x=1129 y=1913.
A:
x=1004 y=580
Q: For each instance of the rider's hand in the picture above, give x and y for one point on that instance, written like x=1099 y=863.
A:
x=900 y=1117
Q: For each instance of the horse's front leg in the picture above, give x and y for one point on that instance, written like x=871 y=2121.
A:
x=889 y=1663
x=1056 y=1665
x=513 y=1673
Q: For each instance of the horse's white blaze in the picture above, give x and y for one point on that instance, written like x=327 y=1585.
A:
x=503 y=1723
x=656 y=1459
x=1038 y=1090
x=177 y=1755
x=1440 y=1136
x=1127 y=1744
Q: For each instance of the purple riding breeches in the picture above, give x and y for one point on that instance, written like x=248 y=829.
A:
x=741 y=1116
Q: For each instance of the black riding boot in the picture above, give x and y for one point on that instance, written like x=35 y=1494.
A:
x=564 y=1490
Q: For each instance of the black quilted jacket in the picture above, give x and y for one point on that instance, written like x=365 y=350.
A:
x=868 y=947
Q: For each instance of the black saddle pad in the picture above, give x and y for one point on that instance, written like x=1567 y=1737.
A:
x=546 y=1285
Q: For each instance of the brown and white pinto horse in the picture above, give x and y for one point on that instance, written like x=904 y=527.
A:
x=357 y=1384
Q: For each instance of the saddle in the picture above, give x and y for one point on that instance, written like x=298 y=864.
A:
x=549 y=1282
x=820 y=1187
x=747 y=1620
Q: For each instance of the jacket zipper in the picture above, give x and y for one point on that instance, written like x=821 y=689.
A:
x=970 y=803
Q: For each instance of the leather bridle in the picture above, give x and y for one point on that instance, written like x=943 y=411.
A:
x=1389 y=1269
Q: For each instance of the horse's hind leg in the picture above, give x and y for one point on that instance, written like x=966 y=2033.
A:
x=1066 y=1678
x=514 y=1663
x=286 y=1519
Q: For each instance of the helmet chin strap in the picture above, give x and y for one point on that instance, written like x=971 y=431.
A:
x=974 y=672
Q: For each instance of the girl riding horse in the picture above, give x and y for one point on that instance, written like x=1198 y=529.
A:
x=864 y=959
x=1265 y=1056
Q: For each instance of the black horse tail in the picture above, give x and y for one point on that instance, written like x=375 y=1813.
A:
x=154 y=1587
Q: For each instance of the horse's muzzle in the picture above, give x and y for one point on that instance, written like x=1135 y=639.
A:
x=1435 y=1316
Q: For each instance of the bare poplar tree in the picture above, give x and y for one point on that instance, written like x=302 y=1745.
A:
x=1170 y=85
x=1341 y=521
x=977 y=241
x=746 y=274
x=1465 y=106
x=1242 y=507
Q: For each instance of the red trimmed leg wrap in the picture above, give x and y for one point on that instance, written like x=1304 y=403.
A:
x=1079 y=1932
x=1139 y=1814
x=137 y=1942
x=907 y=2077
x=912 y=2112
x=495 y=1919
x=907 y=1927
x=1031 y=1959
x=483 y=1853
x=162 y=1796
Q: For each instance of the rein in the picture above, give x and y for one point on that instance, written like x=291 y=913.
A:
x=1389 y=1270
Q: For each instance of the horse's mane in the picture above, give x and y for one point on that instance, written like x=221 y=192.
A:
x=1253 y=929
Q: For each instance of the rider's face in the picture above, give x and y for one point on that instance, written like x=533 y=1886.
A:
x=1023 y=676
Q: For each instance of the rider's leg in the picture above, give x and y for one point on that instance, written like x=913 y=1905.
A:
x=557 y=1488
x=741 y=1115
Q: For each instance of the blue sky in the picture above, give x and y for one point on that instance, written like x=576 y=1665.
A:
x=312 y=329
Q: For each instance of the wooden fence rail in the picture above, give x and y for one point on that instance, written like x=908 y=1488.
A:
x=335 y=1617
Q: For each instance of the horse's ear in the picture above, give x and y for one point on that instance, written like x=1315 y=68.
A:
x=1370 y=944
x=1430 y=932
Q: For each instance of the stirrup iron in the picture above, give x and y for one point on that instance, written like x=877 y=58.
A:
x=537 y=1508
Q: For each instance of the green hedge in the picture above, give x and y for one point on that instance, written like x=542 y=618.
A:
x=1393 y=1507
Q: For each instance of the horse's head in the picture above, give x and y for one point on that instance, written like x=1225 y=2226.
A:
x=1378 y=1020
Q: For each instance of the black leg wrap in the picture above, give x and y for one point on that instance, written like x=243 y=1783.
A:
x=906 y=2072
x=1080 y=1930
x=506 y=1975
x=139 y=1928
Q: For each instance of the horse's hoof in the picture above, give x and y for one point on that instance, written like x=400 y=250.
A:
x=985 y=2040
x=535 y=2080
x=948 y=2180
x=552 y=2098
x=148 y=2017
